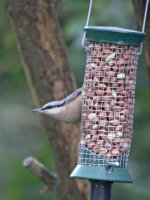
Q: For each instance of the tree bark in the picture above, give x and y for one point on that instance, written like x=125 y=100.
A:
x=47 y=69
x=139 y=6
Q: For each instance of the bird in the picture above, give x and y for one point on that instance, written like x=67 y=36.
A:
x=67 y=110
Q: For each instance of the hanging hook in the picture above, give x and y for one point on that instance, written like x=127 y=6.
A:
x=143 y=26
x=87 y=23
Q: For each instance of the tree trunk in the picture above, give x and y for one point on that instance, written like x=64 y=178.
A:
x=139 y=6
x=49 y=76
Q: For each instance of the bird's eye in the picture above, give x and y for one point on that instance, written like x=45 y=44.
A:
x=46 y=108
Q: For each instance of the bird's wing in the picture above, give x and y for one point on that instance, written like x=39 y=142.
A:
x=72 y=96
x=63 y=102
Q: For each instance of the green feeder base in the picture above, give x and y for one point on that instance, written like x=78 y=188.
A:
x=114 y=174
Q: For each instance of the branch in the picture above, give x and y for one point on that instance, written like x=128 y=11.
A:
x=47 y=177
x=50 y=78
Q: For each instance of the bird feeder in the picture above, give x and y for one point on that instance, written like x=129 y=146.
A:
x=108 y=100
x=108 y=103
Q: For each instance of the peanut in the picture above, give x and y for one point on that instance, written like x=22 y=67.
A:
x=108 y=99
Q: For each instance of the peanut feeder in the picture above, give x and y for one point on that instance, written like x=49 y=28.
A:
x=108 y=103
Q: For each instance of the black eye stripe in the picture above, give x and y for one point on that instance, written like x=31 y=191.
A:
x=46 y=108
x=57 y=104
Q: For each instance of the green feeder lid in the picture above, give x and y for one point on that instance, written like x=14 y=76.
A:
x=114 y=35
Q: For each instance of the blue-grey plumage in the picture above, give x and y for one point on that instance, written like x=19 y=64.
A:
x=66 y=110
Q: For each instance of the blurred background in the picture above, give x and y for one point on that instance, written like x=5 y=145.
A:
x=20 y=132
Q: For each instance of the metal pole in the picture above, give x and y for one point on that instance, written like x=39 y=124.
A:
x=100 y=190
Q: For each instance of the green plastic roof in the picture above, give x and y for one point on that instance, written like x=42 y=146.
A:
x=114 y=35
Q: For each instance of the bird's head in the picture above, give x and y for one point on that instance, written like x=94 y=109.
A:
x=51 y=108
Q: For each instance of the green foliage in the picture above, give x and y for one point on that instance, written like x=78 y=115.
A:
x=11 y=71
x=20 y=132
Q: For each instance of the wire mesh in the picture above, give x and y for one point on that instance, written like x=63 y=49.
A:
x=108 y=104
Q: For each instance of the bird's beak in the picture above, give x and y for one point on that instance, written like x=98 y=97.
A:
x=37 y=110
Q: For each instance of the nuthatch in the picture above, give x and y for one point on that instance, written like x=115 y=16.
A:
x=66 y=110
